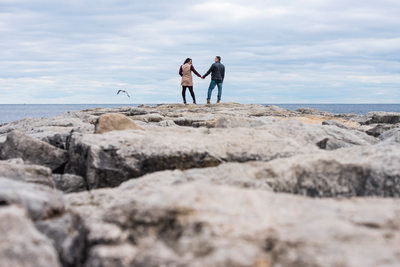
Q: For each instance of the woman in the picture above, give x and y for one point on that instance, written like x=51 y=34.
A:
x=187 y=82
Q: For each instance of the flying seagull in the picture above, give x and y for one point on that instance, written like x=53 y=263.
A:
x=123 y=91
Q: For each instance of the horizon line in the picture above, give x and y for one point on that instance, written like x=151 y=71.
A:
x=166 y=103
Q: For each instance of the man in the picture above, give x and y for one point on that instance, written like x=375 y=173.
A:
x=217 y=71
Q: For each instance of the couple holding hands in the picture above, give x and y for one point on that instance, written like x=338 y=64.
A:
x=217 y=71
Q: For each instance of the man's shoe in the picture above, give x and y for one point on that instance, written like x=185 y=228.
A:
x=218 y=101
x=208 y=101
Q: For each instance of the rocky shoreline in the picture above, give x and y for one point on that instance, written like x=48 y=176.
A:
x=205 y=185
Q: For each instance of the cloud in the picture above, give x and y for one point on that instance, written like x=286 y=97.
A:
x=283 y=52
x=226 y=11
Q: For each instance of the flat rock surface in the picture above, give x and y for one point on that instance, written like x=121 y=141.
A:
x=201 y=224
x=109 y=159
x=324 y=174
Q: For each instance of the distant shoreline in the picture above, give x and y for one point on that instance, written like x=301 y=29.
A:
x=13 y=112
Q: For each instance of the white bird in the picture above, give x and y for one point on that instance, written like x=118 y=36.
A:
x=119 y=91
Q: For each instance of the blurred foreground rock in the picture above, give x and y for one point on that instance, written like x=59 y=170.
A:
x=201 y=224
x=16 y=169
x=21 y=244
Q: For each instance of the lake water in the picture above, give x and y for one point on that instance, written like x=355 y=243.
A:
x=12 y=112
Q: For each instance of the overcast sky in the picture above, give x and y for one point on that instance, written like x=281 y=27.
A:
x=287 y=51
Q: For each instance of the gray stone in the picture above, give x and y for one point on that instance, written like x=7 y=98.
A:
x=40 y=201
x=340 y=173
x=391 y=136
x=31 y=150
x=235 y=122
x=202 y=224
x=21 y=244
x=57 y=140
x=96 y=112
x=69 y=237
x=154 y=118
x=335 y=137
x=334 y=123
x=138 y=111
x=269 y=110
x=109 y=159
x=313 y=111
x=363 y=171
x=69 y=182
x=380 y=129
x=360 y=119
x=13 y=161
x=383 y=117
x=167 y=123
x=55 y=130
x=16 y=169
x=196 y=122
x=240 y=185
x=112 y=255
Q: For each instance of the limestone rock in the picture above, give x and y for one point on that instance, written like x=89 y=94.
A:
x=54 y=131
x=383 y=117
x=196 y=121
x=202 y=224
x=306 y=133
x=16 y=169
x=391 y=136
x=21 y=244
x=362 y=171
x=167 y=123
x=380 y=129
x=325 y=174
x=69 y=182
x=39 y=201
x=69 y=237
x=112 y=255
x=59 y=140
x=70 y=121
x=115 y=122
x=313 y=111
x=31 y=150
x=13 y=161
x=215 y=185
x=334 y=123
x=109 y=159
x=154 y=118
x=138 y=111
x=234 y=122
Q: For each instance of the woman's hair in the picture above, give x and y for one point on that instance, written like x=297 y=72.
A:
x=187 y=60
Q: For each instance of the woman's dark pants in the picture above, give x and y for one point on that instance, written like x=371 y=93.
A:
x=191 y=93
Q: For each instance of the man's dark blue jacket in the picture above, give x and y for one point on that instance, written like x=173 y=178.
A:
x=217 y=71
